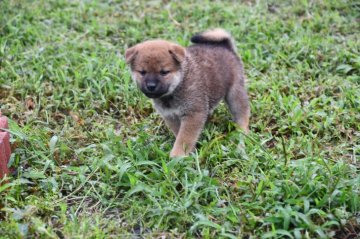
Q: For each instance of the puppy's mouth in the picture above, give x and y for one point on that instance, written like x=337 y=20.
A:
x=154 y=95
x=161 y=91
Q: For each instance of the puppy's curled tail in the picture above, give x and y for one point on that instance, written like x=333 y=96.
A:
x=216 y=36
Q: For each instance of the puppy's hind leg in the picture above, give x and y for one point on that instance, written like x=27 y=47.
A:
x=238 y=102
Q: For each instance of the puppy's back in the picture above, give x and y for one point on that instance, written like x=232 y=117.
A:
x=214 y=64
x=215 y=50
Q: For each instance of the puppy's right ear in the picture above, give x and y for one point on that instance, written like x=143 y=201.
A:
x=130 y=54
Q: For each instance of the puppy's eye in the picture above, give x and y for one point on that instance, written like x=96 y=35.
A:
x=142 y=72
x=164 y=73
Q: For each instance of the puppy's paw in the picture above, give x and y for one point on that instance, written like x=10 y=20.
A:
x=241 y=149
x=177 y=153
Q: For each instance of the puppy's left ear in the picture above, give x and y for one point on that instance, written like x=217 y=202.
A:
x=130 y=54
x=177 y=52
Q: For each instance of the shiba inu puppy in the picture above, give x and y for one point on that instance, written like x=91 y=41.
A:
x=186 y=84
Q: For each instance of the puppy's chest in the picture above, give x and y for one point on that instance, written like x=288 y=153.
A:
x=168 y=107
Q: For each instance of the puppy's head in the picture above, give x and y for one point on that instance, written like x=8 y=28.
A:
x=156 y=66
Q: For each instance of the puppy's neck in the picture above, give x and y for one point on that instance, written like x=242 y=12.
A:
x=165 y=101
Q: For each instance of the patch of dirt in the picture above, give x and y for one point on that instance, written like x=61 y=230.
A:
x=349 y=231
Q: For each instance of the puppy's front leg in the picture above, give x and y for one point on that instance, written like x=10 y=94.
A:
x=173 y=122
x=189 y=132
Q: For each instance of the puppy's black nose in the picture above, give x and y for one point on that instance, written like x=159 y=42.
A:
x=151 y=85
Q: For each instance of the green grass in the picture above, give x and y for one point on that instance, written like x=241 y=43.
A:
x=91 y=154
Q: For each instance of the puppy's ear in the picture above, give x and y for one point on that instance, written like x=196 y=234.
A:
x=130 y=54
x=177 y=52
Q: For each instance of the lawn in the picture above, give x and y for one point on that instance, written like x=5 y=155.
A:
x=91 y=155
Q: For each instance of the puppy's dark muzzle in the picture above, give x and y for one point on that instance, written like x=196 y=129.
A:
x=152 y=87
x=153 y=91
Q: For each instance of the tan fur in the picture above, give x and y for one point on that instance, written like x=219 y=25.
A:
x=196 y=79
x=219 y=34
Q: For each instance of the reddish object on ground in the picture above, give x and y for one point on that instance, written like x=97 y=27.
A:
x=5 y=150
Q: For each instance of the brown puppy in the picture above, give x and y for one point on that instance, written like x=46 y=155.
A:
x=187 y=83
